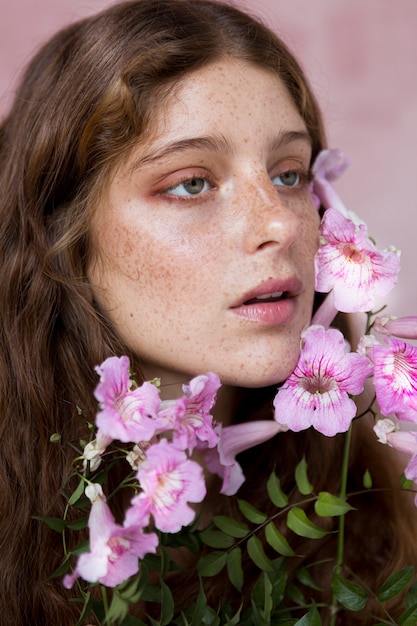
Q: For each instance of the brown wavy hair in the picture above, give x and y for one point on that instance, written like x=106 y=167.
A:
x=87 y=98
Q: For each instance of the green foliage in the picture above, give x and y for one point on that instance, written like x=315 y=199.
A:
x=301 y=478
x=234 y=568
x=352 y=596
x=277 y=541
x=312 y=618
x=251 y=513
x=299 y=523
x=396 y=583
x=223 y=548
x=276 y=495
x=328 y=505
x=257 y=554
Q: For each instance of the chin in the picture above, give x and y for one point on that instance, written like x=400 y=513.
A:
x=257 y=380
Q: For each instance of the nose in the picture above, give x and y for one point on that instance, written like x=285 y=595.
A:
x=270 y=218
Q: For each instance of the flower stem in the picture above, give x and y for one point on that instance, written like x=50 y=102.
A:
x=105 y=603
x=341 y=529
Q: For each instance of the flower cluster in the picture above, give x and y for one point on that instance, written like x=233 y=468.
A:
x=164 y=434
x=161 y=438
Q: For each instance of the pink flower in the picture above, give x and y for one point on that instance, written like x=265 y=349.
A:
x=350 y=264
x=397 y=434
x=404 y=327
x=326 y=312
x=395 y=378
x=189 y=416
x=410 y=471
x=114 y=549
x=233 y=440
x=317 y=392
x=129 y=416
x=169 y=481
x=328 y=166
x=94 y=450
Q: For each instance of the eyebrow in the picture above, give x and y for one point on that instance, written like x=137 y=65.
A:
x=218 y=143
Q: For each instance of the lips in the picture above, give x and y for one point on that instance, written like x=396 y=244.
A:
x=267 y=297
x=272 y=302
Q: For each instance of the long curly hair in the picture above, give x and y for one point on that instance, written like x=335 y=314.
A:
x=86 y=99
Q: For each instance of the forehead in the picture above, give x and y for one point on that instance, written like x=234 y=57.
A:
x=229 y=96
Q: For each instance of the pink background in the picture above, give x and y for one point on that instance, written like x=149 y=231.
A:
x=361 y=57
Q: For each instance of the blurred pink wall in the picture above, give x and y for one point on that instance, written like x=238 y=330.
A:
x=361 y=58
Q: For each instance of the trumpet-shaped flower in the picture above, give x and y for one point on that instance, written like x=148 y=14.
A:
x=317 y=392
x=169 y=481
x=348 y=263
x=125 y=414
x=94 y=450
x=328 y=166
x=403 y=327
x=189 y=416
x=114 y=549
x=233 y=440
x=395 y=378
x=397 y=434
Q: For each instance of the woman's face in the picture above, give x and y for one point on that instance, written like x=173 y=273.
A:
x=206 y=237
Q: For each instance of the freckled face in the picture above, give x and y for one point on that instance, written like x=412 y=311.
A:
x=206 y=237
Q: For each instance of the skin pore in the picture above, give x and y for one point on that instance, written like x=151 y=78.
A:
x=205 y=225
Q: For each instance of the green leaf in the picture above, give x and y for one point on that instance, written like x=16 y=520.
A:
x=312 y=618
x=350 y=595
x=167 y=605
x=301 y=478
x=78 y=524
x=212 y=563
x=411 y=598
x=235 y=620
x=406 y=483
x=299 y=523
x=305 y=578
x=276 y=495
x=234 y=568
x=277 y=541
x=62 y=569
x=232 y=527
x=396 y=583
x=251 y=513
x=132 y=621
x=257 y=619
x=80 y=548
x=210 y=617
x=54 y=523
x=118 y=609
x=367 y=480
x=86 y=609
x=295 y=594
x=328 y=505
x=77 y=493
x=257 y=554
x=200 y=606
x=216 y=539
x=262 y=597
x=409 y=618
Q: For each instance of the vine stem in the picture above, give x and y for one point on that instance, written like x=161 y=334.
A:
x=105 y=602
x=341 y=529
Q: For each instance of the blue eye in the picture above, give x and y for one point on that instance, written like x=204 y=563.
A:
x=190 y=187
x=291 y=178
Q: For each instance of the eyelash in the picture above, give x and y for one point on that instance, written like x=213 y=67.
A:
x=305 y=176
x=186 y=179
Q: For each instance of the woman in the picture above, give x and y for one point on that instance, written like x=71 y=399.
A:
x=155 y=203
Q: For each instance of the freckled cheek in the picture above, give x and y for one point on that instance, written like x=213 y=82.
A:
x=310 y=232
x=163 y=264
